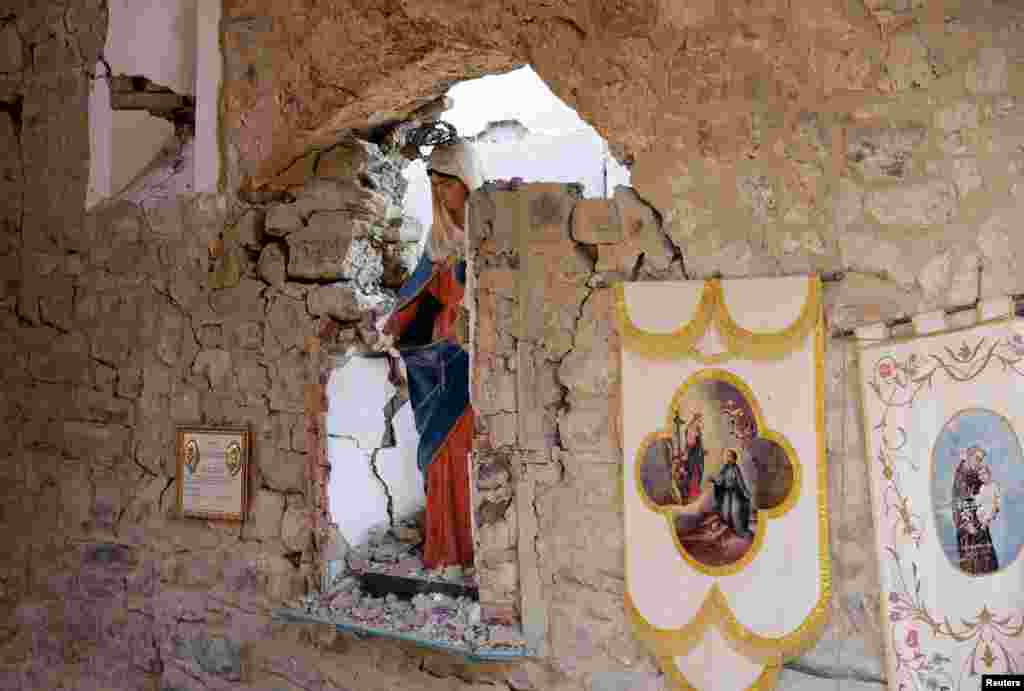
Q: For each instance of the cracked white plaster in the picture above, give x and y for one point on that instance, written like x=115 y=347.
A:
x=367 y=480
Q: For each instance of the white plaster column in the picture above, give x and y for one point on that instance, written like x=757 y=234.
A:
x=100 y=141
x=209 y=74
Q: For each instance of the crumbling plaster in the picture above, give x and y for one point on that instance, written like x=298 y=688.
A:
x=123 y=321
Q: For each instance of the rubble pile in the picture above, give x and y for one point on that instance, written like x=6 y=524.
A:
x=433 y=617
x=397 y=552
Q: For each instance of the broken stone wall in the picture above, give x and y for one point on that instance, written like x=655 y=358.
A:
x=120 y=324
x=114 y=330
x=909 y=196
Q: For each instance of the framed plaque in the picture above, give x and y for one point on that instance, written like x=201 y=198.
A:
x=213 y=471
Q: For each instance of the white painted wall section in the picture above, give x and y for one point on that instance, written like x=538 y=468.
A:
x=122 y=143
x=101 y=144
x=357 y=394
x=155 y=39
x=175 y=44
x=209 y=74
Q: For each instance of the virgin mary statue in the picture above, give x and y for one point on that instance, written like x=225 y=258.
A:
x=429 y=330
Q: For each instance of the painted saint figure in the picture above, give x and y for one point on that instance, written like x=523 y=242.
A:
x=688 y=457
x=429 y=328
x=975 y=505
x=733 y=499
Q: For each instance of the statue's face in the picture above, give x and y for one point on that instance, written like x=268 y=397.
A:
x=451 y=191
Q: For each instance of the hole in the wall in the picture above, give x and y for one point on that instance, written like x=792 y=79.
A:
x=376 y=493
x=521 y=129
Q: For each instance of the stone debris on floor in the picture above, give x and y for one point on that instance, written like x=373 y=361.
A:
x=398 y=552
x=433 y=617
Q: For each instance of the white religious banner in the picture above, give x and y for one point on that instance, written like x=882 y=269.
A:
x=943 y=410
x=727 y=561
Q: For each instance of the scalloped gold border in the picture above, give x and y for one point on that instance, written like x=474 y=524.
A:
x=715 y=610
x=670 y=512
x=711 y=309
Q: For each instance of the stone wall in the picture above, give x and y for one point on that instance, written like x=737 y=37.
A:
x=120 y=323
x=908 y=196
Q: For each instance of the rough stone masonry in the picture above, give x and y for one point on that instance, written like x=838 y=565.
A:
x=881 y=138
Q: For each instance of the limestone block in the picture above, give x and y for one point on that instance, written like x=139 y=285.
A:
x=129 y=382
x=321 y=251
x=157 y=378
x=288 y=382
x=758 y=195
x=862 y=298
x=287 y=324
x=498 y=395
x=910 y=64
x=185 y=404
x=283 y=471
x=246 y=298
x=642 y=229
x=296 y=529
x=248 y=231
x=214 y=655
x=596 y=221
x=989 y=72
x=737 y=259
x=282 y=219
x=253 y=380
x=347 y=161
x=861 y=249
x=502 y=429
x=64 y=359
x=502 y=578
x=997 y=248
x=551 y=283
x=585 y=369
x=966 y=175
x=536 y=388
x=298 y=173
x=99 y=406
x=243 y=335
x=962 y=115
x=585 y=428
x=56 y=303
x=271 y=266
x=928 y=202
x=11 y=55
x=350 y=197
x=215 y=365
x=264 y=520
x=101 y=442
x=881 y=152
x=336 y=300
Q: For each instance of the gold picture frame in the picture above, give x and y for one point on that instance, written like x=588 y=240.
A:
x=213 y=472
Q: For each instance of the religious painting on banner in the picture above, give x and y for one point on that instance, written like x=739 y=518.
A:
x=942 y=415
x=724 y=475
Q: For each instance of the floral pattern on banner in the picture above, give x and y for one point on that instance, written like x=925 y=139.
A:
x=916 y=633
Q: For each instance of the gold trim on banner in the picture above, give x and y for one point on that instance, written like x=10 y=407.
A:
x=715 y=609
x=739 y=342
